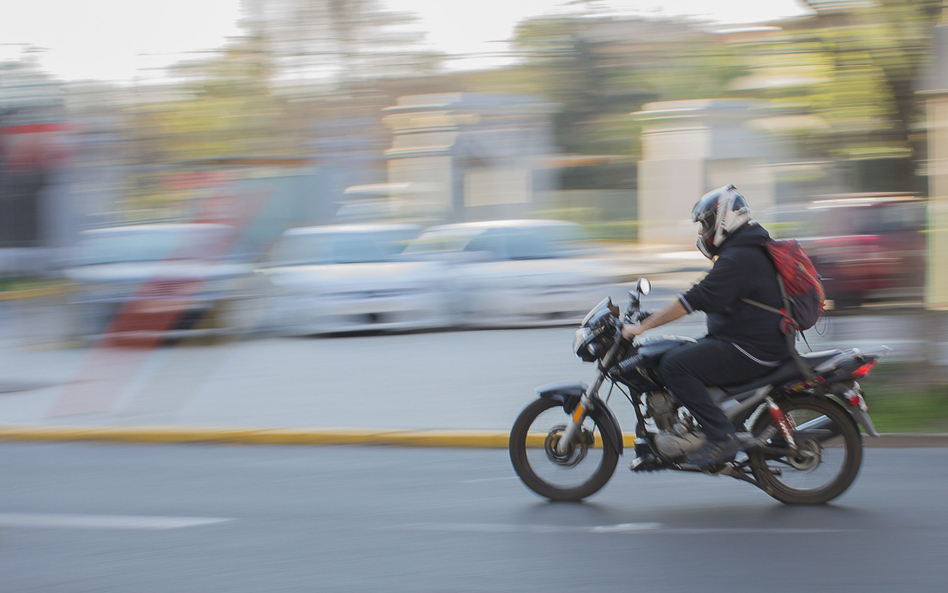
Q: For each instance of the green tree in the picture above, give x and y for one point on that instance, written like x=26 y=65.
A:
x=865 y=62
x=601 y=69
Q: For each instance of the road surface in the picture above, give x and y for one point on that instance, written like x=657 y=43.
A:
x=151 y=518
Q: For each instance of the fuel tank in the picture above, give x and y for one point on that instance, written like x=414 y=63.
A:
x=653 y=347
x=639 y=370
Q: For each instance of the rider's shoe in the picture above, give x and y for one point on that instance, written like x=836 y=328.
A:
x=714 y=452
x=748 y=441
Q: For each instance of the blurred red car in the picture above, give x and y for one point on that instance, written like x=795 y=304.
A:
x=864 y=246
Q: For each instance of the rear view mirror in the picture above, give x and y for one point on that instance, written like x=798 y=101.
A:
x=643 y=286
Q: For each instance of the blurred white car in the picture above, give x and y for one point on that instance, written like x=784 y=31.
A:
x=517 y=272
x=158 y=278
x=349 y=278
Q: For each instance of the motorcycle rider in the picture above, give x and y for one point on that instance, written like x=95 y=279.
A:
x=744 y=342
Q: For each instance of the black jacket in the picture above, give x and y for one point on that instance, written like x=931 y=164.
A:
x=742 y=269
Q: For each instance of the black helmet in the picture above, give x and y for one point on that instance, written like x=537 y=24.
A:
x=720 y=212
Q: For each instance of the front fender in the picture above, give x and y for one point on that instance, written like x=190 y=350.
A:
x=568 y=394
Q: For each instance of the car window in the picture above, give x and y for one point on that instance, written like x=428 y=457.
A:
x=301 y=249
x=902 y=218
x=546 y=242
x=322 y=248
x=528 y=243
x=439 y=241
x=491 y=241
x=134 y=245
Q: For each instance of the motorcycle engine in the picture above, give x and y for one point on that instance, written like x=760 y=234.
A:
x=663 y=408
x=678 y=436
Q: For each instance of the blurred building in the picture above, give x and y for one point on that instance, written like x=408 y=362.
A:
x=472 y=156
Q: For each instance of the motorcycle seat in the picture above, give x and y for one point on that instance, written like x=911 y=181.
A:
x=787 y=371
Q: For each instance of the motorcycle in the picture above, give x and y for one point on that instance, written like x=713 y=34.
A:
x=800 y=429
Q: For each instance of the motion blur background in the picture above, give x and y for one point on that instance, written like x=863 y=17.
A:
x=390 y=214
x=249 y=170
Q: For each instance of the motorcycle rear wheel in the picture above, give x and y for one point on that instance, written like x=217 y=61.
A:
x=540 y=441
x=846 y=445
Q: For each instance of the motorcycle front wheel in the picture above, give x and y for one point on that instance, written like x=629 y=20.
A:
x=572 y=476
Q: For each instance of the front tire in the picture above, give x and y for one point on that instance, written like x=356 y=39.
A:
x=523 y=442
x=845 y=444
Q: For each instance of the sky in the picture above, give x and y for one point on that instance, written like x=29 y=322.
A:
x=125 y=40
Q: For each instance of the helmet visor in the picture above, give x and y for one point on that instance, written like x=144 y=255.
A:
x=705 y=222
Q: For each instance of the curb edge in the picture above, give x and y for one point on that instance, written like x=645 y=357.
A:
x=460 y=439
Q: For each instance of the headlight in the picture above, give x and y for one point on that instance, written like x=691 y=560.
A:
x=581 y=339
x=585 y=344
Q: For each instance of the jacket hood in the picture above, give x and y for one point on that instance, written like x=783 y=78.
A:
x=749 y=234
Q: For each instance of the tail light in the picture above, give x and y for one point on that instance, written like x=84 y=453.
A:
x=864 y=369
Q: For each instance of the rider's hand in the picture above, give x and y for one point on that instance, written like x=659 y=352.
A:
x=630 y=330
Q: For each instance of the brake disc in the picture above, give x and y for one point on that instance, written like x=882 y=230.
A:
x=576 y=453
x=808 y=458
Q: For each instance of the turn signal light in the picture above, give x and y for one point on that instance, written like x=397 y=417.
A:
x=864 y=369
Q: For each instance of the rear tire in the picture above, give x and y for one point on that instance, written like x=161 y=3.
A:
x=518 y=456
x=849 y=438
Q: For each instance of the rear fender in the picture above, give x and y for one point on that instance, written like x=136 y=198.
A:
x=569 y=394
x=858 y=415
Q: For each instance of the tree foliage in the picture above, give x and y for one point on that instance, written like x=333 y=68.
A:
x=600 y=69
x=864 y=64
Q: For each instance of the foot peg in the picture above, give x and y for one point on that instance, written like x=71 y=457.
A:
x=646 y=460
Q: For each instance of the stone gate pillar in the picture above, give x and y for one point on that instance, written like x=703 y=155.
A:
x=935 y=92
x=689 y=148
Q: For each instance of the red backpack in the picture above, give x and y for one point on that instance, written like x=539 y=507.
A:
x=800 y=286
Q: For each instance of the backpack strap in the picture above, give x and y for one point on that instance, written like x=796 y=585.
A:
x=763 y=306
x=790 y=329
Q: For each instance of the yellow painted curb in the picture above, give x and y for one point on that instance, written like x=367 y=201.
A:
x=463 y=439
x=256 y=436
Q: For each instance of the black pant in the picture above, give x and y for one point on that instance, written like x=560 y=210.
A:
x=688 y=369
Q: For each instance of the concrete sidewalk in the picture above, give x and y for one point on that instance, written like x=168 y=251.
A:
x=457 y=389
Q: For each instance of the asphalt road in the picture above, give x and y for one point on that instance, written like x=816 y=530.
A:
x=95 y=517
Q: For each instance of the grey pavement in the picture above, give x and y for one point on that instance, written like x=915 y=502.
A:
x=148 y=518
x=477 y=380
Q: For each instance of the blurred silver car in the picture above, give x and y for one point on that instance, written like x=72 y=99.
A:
x=349 y=278
x=517 y=272
x=156 y=277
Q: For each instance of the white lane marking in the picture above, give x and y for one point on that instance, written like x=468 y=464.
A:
x=625 y=528
x=73 y=521
x=618 y=528
x=475 y=481
x=520 y=528
x=777 y=530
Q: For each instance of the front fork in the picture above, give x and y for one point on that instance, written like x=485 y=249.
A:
x=565 y=444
